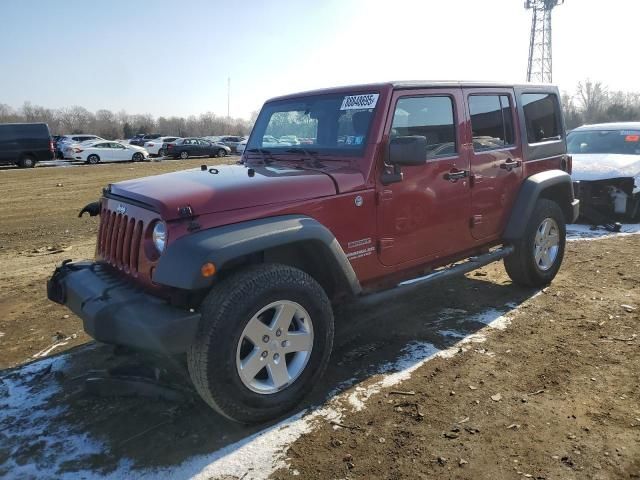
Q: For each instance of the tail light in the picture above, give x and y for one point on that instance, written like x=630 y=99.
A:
x=150 y=144
x=51 y=149
x=169 y=147
x=77 y=150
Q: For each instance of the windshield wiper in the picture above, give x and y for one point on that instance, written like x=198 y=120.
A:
x=265 y=160
x=309 y=153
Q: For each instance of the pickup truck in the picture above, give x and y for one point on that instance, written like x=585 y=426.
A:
x=240 y=266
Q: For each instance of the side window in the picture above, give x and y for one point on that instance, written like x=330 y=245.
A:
x=430 y=117
x=541 y=117
x=491 y=121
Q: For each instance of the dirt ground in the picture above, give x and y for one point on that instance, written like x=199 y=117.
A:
x=39 y=227
x=555 y=395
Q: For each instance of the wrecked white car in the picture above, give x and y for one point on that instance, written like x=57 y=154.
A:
x=606 y=171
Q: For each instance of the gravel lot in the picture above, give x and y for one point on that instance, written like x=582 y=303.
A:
x=474 y=378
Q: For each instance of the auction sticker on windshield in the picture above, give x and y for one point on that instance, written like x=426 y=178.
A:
x=357 y=102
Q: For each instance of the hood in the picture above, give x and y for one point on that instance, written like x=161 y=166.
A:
x=232 y=187
x=603 y=166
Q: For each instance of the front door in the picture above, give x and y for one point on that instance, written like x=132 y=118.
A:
x=496 y=159
x=426 y=214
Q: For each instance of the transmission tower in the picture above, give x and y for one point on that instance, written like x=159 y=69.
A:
x=540 y=64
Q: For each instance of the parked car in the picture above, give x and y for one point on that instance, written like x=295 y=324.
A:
x=25 y=144
x=105 y=151
x=195 y=147
x=231 y=141
x=240 y=266
x=289 y=140
x=67 y=143
x=241 y=146
x=157 y=147
x=606 y=171
x=141 y=138
x=267 y=142
x=56 y=149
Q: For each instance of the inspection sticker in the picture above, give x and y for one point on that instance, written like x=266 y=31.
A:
x=357 y=102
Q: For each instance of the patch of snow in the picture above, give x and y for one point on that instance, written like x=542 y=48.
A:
x=577 y=232
x=24 y=421
x=50 y=348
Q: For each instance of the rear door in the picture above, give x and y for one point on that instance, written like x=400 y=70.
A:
x=495 y=157
x=426 y=214
x=103 y=150
x=205 y=147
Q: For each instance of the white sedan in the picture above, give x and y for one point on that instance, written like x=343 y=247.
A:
x=155 y=147
x=105 y=151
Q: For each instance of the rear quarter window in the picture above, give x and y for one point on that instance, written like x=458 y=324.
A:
x=542 y=117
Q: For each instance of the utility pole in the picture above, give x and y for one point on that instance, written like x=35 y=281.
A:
x=539 y=68
x=228 y=97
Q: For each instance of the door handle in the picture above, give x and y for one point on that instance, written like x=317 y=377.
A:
x=455 y=175
x=510 y=164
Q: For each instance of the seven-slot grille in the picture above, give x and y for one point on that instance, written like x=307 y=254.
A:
x=119 y=240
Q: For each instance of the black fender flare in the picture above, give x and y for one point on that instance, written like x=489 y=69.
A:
x=180 y=265
x=540 y=185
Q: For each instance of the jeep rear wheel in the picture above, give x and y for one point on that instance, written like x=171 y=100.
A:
x=264 y=339
x=539 y=253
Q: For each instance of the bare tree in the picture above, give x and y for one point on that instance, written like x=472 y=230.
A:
x=107 y=124
x=592 y=97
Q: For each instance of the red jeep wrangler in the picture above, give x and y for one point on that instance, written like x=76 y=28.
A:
x=395 y=186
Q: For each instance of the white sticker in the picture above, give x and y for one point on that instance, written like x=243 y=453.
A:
x=357 y=102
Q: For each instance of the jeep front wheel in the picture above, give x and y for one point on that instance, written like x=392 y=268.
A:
x=264 y=339
x=539 y=253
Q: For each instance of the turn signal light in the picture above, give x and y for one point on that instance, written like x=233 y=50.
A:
x=208 y=270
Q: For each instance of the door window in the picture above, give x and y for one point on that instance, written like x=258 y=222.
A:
x=430 y=117
x=491 y=121
x=542 y=117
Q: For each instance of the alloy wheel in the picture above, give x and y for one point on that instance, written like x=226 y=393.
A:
x=546 y=244
x=274 y=347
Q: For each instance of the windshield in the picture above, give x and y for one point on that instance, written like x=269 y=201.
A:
x=334 y=123
x=624 y=142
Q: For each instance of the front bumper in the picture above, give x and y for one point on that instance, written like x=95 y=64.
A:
x=113 y=311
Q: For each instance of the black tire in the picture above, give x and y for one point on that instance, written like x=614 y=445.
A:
x=222 y=153
x=184 y=155
x=161 y=152
x=27 y=162
x=226 y=311
x=521 y=265
x=93 y=159
x=137 y=157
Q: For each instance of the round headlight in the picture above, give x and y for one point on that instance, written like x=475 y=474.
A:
x=160 y=236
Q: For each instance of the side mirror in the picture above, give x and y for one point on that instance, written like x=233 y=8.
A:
x=410 y=150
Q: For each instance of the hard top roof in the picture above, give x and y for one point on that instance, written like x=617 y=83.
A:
x=610 y=126
x=411 y=84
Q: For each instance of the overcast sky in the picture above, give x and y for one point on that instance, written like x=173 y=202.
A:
x=173 y=58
